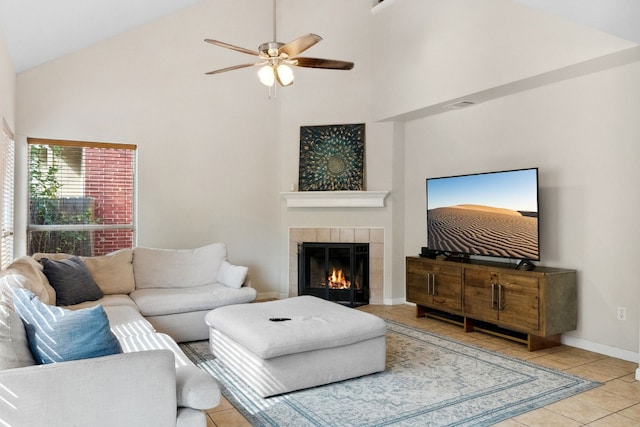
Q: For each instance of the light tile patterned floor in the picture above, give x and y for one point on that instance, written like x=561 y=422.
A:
x=615 y=403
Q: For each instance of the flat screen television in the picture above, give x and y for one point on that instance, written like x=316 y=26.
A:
x=491 y=214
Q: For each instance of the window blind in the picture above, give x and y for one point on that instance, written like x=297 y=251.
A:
x=81 y=197
x=7 y=155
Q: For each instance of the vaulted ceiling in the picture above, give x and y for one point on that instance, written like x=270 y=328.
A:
x=37 y=31
x=618 y=17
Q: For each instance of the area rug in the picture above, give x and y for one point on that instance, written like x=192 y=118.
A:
x=430 y=380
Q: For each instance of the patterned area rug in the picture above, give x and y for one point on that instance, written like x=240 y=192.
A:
x=430 y=380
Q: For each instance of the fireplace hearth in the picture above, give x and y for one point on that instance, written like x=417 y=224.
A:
x=334 y=271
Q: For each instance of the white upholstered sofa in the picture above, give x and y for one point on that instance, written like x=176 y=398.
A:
x=153 y=298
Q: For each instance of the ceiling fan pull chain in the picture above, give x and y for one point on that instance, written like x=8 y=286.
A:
x=273 y=91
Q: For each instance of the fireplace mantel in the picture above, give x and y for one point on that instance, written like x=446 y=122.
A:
x=335 y=199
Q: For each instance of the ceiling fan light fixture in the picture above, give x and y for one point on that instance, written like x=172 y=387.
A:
x=284 y=74
x=276 y=59
x=267 y=75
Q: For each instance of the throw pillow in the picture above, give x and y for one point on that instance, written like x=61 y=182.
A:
x=51 y=255
x=113 y=272
x=56 y=334
x=231 y=275
x=14 y=349
x=39 y=285
x=10 y=279
x=72 y=281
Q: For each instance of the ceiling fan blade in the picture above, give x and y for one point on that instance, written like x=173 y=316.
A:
x=299 y=45
x=232 y=47
x=332 y=64
x=235 y=67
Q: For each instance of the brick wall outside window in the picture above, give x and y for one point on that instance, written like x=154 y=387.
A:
x=109 y=181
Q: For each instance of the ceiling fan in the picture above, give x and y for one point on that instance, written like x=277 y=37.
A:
x=276 y=58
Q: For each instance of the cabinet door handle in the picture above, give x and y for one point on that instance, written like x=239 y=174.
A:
x=433 y=284
x=428 y=283
x=493 y=296
x=500 y=306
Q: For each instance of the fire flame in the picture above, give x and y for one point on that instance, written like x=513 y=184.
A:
x=337 y=280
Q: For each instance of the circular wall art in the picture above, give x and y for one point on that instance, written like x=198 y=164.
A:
x=331 y=158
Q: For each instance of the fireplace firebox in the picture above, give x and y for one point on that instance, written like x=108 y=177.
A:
x=334 y=271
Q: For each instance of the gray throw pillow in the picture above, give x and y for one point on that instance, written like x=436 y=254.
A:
x=72 y=281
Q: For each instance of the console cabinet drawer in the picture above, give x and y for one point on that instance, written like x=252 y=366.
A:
x=507 y=299
x=437 y=286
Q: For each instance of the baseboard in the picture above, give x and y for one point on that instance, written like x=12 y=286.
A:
x=607 y=350
x=393 y=301
x=276 y=295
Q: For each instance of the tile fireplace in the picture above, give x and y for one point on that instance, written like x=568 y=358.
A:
x=374 y=236
x=334 y=271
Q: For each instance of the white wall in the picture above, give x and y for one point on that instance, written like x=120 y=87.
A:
x=580 y=132
x=321 y=97
x=214 y=151
x=206 y=154
x=583 y=136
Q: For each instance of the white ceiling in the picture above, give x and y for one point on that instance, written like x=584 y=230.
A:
x=37 y=31
x=618 y=17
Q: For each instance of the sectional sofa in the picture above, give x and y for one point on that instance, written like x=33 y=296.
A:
x=150 y=299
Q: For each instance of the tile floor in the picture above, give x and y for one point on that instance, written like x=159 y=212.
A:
x=615 y=403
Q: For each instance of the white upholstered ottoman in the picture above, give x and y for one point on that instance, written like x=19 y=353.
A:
x=323 y=342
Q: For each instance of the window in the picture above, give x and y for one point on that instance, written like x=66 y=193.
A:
x=6 y=195
x=81 y=197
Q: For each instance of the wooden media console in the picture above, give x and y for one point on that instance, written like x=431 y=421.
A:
x=532 y=307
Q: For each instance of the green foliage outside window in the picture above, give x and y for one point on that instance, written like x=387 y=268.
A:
x=48 y=208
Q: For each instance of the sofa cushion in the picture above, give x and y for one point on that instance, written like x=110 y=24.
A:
x=106 y=301
x=72 y=280
x=58 y=335
x=14 y=348
x=155 y=341
x=158 y=302
x=177 y=268
x=127 y=322
x=38 y=283
x=113 y=272
x=231 y=275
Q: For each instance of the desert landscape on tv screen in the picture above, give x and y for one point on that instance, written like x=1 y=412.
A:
x=488 y=214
